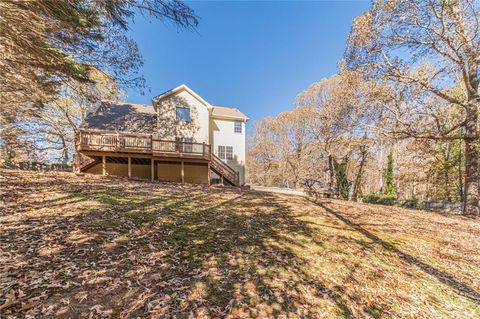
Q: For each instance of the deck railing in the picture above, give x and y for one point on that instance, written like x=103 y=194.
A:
x=139 y=143
x=225 y=170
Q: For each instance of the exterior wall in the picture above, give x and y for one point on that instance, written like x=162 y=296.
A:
x=95 y=169
x=222 y=133
x=196 y=173
x=140 y=171
x=171 y=172
x=193 y=173
x=117 y=169
x=169 y=128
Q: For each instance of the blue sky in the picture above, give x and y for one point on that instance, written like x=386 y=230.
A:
x=256 y=56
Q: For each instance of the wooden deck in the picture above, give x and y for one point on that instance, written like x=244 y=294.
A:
x=109 y=144
x=140 y=144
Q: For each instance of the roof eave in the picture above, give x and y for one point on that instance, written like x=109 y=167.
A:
x=244 y=119
x=178 y=89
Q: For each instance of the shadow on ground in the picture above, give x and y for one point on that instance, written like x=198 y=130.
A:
x=128 y=250
x=76 y=247
x=441 y=276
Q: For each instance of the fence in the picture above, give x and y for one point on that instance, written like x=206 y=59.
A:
x=39 y=166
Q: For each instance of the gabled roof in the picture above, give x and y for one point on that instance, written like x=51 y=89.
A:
x=228 y=113
x=122 y=117
x=177 y=89
x=215 y=111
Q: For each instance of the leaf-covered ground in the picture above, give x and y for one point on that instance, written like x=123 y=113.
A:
x=92 y=247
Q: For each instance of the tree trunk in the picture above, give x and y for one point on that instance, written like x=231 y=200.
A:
x=359 y=176
x=64 y=150
x=342 y=184
x=460 y=173
x=331 y=172
x=446 y=163
x=472 y=161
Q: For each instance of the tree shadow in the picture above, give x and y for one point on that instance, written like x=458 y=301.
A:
x=163 y=251
x=441 y=276
x=232 y=254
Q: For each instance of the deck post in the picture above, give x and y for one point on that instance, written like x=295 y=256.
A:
x=129 y=167
x=104 y=165
x=221 y=179
x=78 y=142
x=208 y=174
x=183 y=173
x=77 y=163
x=152 y=169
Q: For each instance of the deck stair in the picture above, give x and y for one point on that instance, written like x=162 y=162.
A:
x=85 y=162
x=225 y=172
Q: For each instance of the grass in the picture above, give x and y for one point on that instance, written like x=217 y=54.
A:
x=75 y=247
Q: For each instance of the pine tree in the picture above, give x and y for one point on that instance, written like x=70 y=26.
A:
x=389 y=188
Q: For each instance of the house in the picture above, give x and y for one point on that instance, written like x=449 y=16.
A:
x=180 y=137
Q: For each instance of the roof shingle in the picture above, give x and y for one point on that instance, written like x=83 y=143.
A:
x=228 y=112
x=122 y=117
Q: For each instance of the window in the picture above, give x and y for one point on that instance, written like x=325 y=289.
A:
x=238 y=127
x=221 y=152
x=225 y=152
x=229 y=152
x=183 y=113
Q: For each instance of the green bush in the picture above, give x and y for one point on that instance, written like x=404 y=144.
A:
x=380 y=199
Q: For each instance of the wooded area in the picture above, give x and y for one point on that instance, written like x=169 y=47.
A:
x=399 y=119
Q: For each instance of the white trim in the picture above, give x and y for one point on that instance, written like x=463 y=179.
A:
x=178 y=89
x=235 y=118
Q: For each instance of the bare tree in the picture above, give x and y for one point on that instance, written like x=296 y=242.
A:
x=55 y=124
x=339 y=116
x=262 y=154
x=427 y=51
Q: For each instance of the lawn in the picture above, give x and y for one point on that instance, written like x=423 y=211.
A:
x=88 y=246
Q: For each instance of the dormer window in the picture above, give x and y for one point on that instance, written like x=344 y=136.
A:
x=183 y=114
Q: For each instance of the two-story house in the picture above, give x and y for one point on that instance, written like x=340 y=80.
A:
x=180 y=137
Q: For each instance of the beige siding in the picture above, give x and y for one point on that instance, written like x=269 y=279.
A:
x=222 y=133
x=169 y=128
x=196 y=173
x=169 y=172
x=95 y=169
x=117 y=169
x=141 y=171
